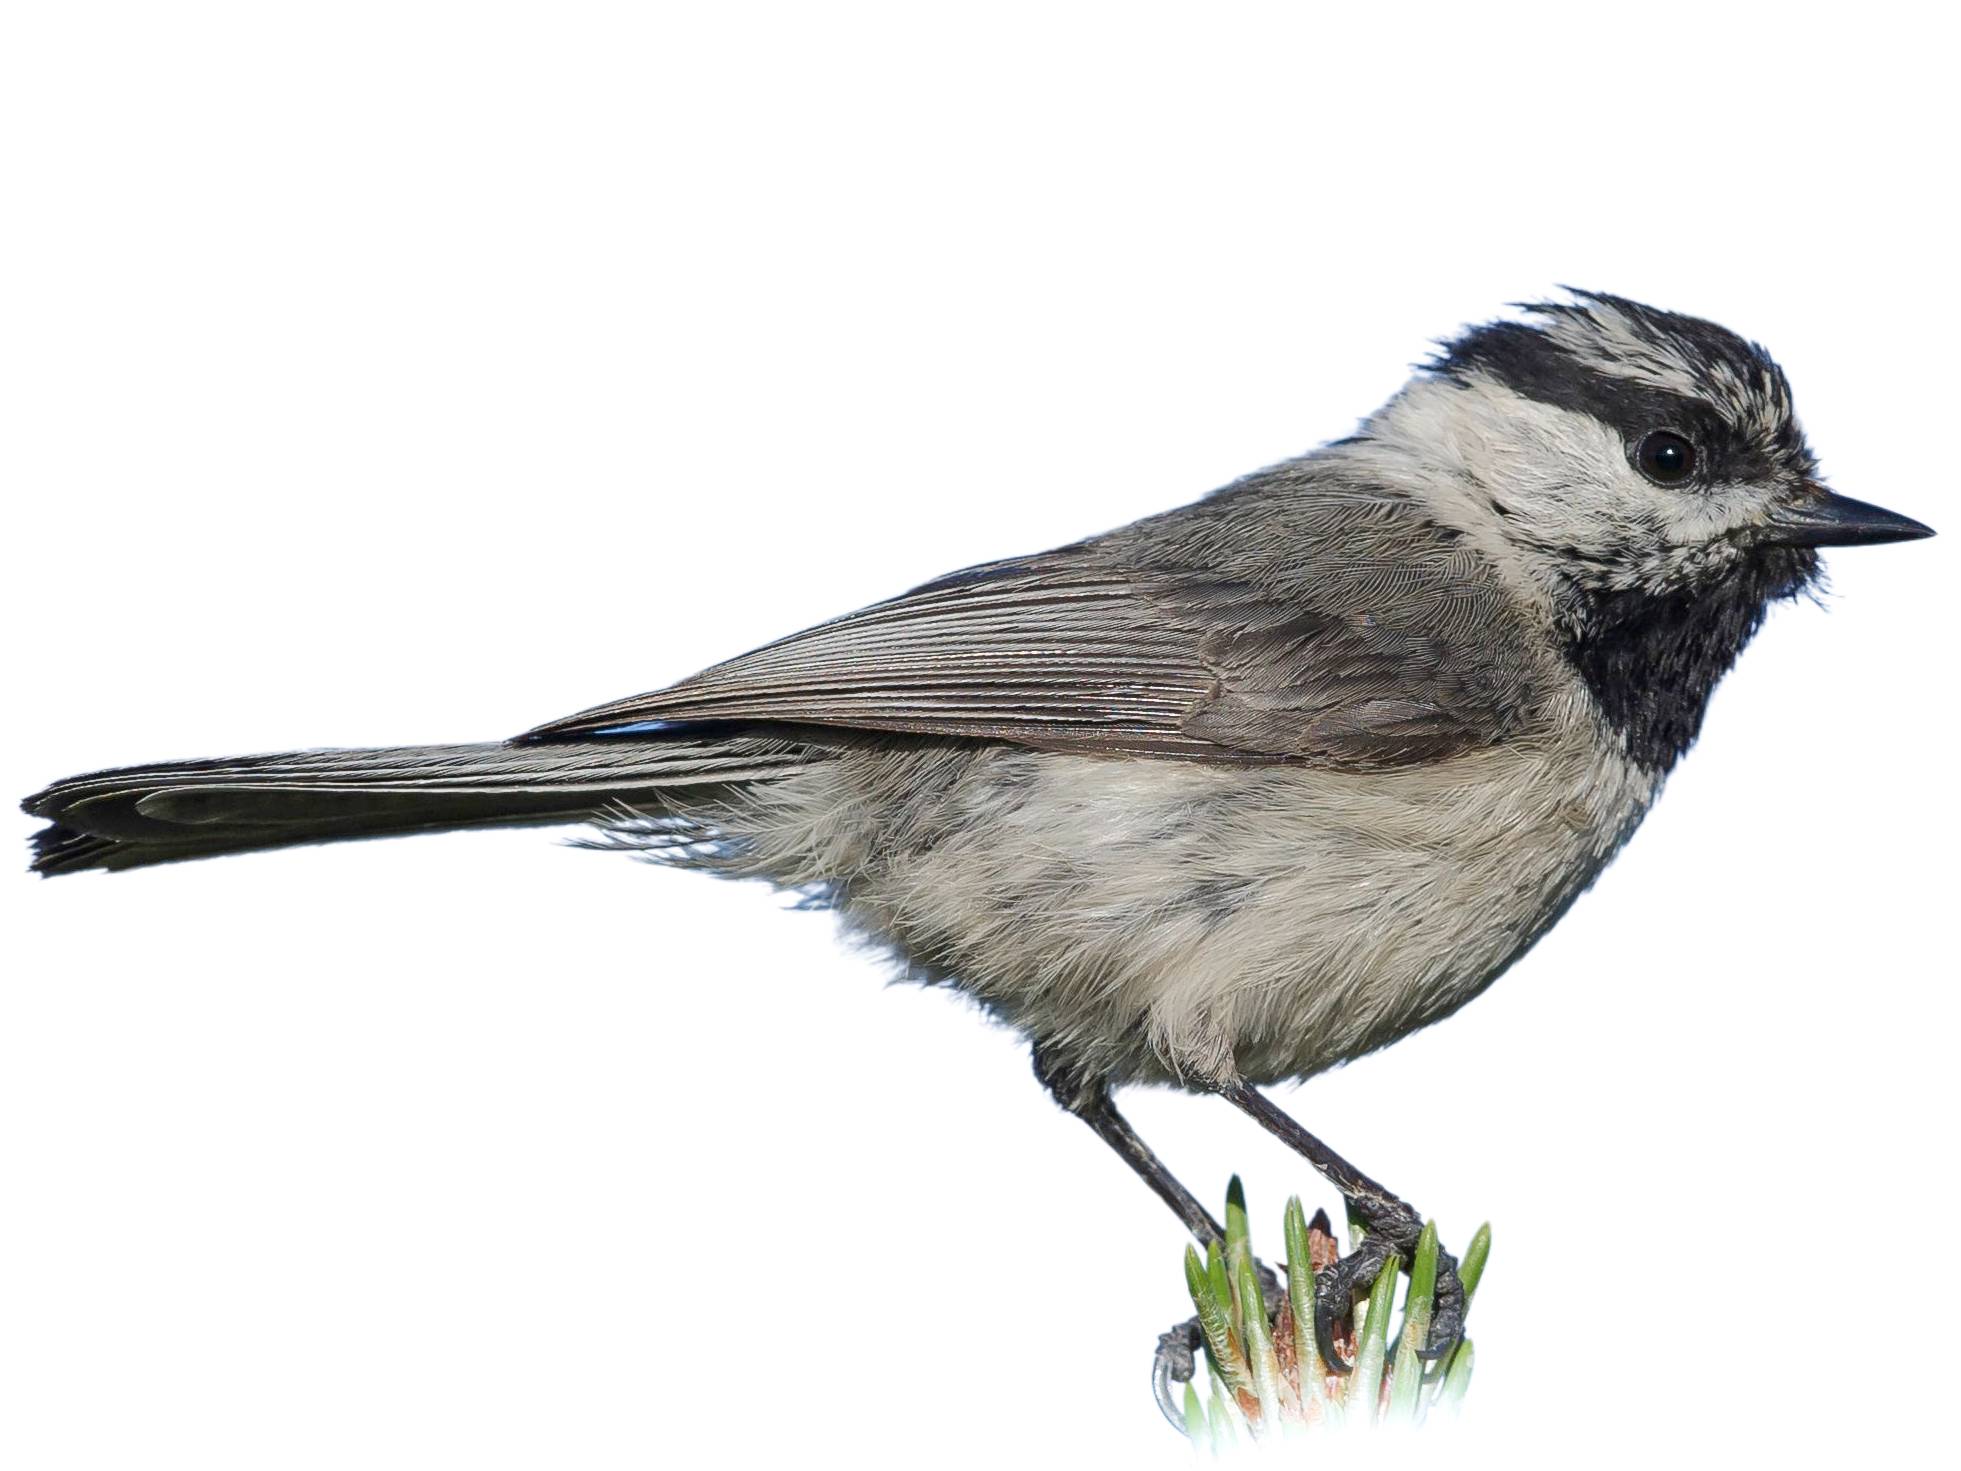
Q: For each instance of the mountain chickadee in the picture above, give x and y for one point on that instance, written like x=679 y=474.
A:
x=1223 y=797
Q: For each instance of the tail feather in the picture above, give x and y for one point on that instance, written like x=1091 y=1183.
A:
x=139 y=815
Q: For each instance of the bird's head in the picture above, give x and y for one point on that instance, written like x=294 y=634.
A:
x=1641 y=476
x=1615 y=448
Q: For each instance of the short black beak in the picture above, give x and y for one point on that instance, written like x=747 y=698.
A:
x=1818 y=517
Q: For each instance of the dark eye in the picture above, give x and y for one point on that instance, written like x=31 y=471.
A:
x=1665 y=457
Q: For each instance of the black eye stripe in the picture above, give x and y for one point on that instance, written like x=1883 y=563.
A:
x=1526 y=362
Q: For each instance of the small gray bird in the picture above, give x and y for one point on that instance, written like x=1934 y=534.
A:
x=1220 y=798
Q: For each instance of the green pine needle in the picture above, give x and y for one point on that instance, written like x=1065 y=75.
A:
x=1372 y=1351
x=1258 y=1338
x=1226 y=1361
x=1194 y=1417
x=1471 y=1271
x=1218 y=1424
x=1239 y=1235
x=1215 y=1276
x=1459 y=1378
x=1406 y=1376
x=1300 y=1303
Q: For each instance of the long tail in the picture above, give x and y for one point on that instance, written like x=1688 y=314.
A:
x=138 y=815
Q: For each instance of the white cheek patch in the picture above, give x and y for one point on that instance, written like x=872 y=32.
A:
x=1551 y=494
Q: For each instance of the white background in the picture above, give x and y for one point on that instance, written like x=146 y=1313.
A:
x=408 y=373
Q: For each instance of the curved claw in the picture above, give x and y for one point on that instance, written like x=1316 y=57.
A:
x=1175 y=1362
x=1334 y=1294
x=1176 y=1359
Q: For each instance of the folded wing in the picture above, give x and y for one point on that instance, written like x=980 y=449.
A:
x=1082 y=650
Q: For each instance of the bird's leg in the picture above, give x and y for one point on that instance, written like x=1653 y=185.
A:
x=1090 y=1102
x=1177 y=1351
x=1391 y=1225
